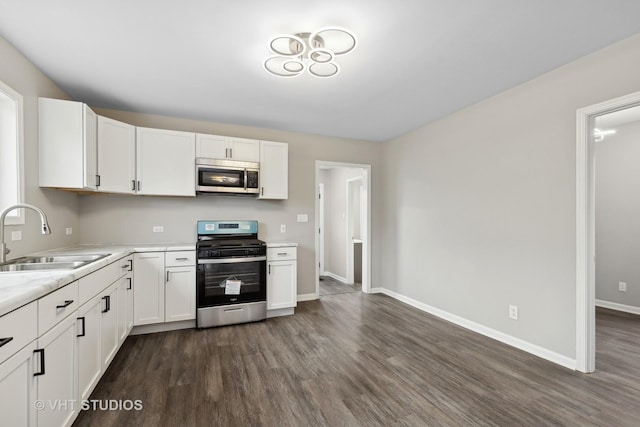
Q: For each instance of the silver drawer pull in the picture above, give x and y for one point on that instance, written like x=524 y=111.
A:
x=233 y=309
x=182 y=259
x=282 y=253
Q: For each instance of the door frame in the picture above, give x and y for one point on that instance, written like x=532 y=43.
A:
x=585 y=226
x=320 y=227
x=366 y=229
x=349 y=227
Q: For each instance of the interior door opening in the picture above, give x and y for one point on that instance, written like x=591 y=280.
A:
x=592 y=128
x=343 y=223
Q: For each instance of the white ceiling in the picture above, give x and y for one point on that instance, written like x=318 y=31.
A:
x=416 y=61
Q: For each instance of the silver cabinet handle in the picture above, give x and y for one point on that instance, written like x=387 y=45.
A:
x=184 y=258
x=168 y=272
x=133 y=185
x=282 y=253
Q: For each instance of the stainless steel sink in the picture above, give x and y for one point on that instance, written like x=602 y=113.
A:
x=50 y=262
x=42 y=266
x=60 y=258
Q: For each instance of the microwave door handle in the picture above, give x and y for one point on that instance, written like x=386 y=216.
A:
x=245 y=180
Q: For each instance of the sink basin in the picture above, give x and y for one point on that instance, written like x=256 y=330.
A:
x=42 y=266
x=60 y=258
x=50 y=262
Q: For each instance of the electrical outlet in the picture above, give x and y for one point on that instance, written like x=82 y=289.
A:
x=513 y=312
x=158 y=229
x=283 y=228
x=622 y=286
x=16 y=235
x=68 y=231
x=303 y=218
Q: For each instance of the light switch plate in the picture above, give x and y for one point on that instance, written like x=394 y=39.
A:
x=16 y=235
x=158 y=229
x=68 y=231
x=303 y=218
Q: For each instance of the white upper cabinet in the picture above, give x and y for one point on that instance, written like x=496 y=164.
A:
x=274 y=170
x=165 y=162
x=68 y=144
x=116 y=156
x=226 y=147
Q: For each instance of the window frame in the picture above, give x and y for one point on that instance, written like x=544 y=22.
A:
x=17 y=217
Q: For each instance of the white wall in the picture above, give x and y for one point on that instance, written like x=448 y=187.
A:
x=618 y=215
x=129 y=219
x=335 y=225
x=480 y=206
x=61 y=208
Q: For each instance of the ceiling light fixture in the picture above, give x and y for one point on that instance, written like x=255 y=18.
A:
x=314 y=52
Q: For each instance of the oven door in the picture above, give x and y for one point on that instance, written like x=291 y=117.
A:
x=231 y=281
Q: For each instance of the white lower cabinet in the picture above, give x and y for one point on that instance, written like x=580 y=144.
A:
x=281 y=278
x=18 y=388
x=56 y=374
x=180 y=294
x=89 y=346
x=125 y=307
x=110 y=339
x=165 y=287
x=148 y=292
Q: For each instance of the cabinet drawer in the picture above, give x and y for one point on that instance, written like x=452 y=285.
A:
x=179 y=258
x=56 y=306
x=281 y=254
x=18 y=329
x=94 y=283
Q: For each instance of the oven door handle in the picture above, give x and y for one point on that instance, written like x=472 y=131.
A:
x=231 y=260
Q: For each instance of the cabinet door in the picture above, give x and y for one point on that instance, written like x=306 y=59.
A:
x=246 y=150
x=165 y=162
x=148 y=290
x=67 y=144
x=180 y=291
x=56 y=377
x=274 y=170
x=18 y=388
x=125 y=308
x=281 y=285
x=109 y=337
x=89 y=347
x=116 y=156
x=212 y=146
x=90 y=158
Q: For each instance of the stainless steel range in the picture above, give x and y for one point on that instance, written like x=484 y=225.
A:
x=231 y=275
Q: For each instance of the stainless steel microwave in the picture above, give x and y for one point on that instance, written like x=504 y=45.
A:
x=227 y=176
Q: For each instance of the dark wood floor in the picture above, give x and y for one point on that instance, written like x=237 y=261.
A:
x=330 y=286
x=355 y=359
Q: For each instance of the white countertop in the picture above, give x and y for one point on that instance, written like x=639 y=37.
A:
x=281 y=244
x=21 y=288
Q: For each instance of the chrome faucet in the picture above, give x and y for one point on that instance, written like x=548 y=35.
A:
x=3 y=246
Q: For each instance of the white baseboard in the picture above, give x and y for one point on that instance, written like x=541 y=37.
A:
x=307 y=297
x=376 y=290
x=536 y=350
x=335 y=276
x=616 y=306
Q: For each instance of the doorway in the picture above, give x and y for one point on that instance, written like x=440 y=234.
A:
x=343 y=218
x=585 y=224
